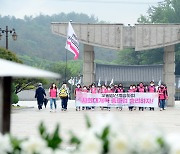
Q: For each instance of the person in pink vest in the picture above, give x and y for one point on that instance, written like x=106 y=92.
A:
x=120 y=89
x=85 y=89
x=131 y=90
x=151 y=89
x=93 y=90
x=109 y=90
x=53 y=96
x=78 y=89
x=103 y=90
x=162 y=97
x=141 y=89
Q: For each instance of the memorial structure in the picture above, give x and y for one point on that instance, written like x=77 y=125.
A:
x=117 y=36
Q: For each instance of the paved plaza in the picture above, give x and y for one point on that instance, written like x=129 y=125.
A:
x=24 y=122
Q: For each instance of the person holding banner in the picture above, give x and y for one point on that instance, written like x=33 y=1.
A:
x=151 y=89
x=120 y=90
x=85 y=90
x=93 y=90
x=131 y=90
x=78 y=89
x=141 y=89
x=103 y=90
x=109 y=90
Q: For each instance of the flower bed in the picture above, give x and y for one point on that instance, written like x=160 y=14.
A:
x=107 y=136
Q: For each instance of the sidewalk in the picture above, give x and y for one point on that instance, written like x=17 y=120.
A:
x=25 y=122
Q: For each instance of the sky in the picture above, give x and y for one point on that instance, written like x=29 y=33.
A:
x=114 y=11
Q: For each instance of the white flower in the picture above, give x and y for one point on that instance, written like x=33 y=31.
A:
x=119 y=145
x=91 y=144
x=60 y=152
x=5 y=144
x=173 y=141
x=47 y=151
x=110 y=120
x=147 y=144
x=33 y=145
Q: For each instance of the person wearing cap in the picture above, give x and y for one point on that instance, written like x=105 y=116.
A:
x=40 y=94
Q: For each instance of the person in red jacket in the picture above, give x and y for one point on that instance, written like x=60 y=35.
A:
x=162 y=97
x=151 y=89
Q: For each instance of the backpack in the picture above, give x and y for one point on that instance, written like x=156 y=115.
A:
x=63 y=93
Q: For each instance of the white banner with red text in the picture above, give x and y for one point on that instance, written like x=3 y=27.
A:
x=117 y=99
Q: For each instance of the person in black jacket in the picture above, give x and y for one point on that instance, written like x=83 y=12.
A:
x=40 y=94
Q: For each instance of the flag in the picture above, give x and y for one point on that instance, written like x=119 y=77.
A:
x=159 y=83
x=71 y=81
x=79 y=82
x=72 y=43
x=105 y=82
x=99 y=82
x=179 y=83
x=111 y=82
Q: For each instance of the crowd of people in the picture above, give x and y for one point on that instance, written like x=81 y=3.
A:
x=151 y=88
x=63 y=94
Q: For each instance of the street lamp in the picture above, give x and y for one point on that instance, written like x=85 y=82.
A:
x=14 y=35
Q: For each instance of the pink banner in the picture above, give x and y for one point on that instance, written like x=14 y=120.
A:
x=117 y=99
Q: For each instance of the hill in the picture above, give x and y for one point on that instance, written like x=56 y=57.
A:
x=35 y=38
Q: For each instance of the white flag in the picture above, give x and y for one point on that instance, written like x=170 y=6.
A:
x=72 y=43
x=99 y=82
x=179 y=83
x=79 y=82
x=71 y=81
x=112 y=81
x=159 y=83
x=105 y=82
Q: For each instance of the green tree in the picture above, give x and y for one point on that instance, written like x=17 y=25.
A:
x=167 y=11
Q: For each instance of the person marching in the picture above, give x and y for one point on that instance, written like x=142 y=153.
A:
x=166 y=95
x=103 y=90
x=78 y=89
x=162 y=97
x=131 y=90
x=40 y=94
x=53 y=96
x=120 y=90
x=151 y=89
x=141 y=89
x=85 y=90
x=93 y=90
x=109 y=90
x=64 y=94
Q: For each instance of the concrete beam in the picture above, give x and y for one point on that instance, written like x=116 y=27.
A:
x=169 y=73
x=88 y=65
x=151 y=36
x=102 y=35
x=118 y=36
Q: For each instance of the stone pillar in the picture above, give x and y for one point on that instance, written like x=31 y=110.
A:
x=88 y=65
x=5 y=104
x=168 y=73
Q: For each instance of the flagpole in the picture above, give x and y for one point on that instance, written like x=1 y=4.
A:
x=66 y=67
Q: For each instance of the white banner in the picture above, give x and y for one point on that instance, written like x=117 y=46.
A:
x=117 y=99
